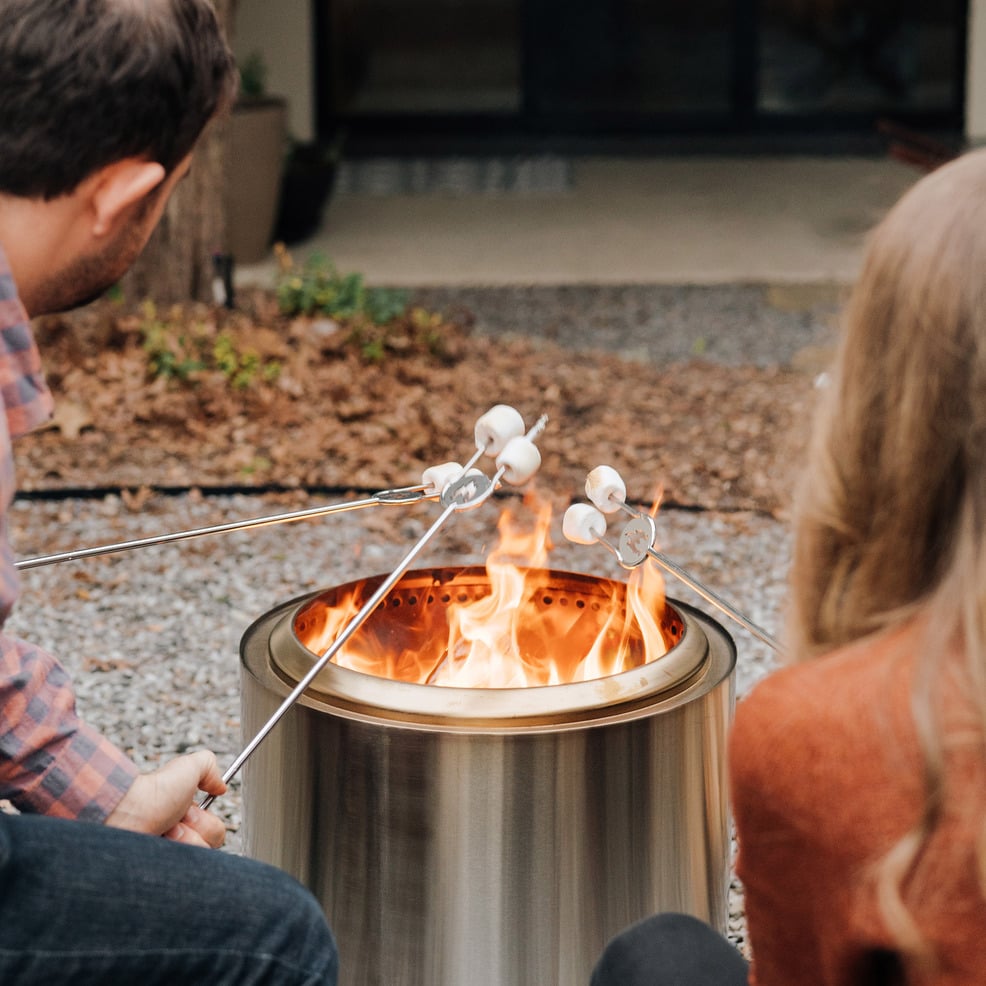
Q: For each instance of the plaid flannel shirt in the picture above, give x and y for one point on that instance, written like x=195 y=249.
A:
x=50 y=761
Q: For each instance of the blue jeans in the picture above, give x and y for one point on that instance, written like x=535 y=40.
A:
x=85 y=904
x=670 y=950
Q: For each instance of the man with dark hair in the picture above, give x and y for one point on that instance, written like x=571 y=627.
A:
x=101 y=104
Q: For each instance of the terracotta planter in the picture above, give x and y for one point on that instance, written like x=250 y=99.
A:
x=257 y=141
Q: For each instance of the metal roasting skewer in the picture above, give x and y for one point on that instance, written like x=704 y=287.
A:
x=401 y=495
x=637 y=543
x=464 y=493
x=710 y=597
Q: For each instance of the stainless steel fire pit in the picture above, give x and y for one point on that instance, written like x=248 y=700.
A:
x=483 y=836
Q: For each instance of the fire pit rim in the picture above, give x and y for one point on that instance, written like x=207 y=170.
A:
x=353 y=694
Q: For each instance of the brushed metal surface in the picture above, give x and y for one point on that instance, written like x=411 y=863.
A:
x=450 y=853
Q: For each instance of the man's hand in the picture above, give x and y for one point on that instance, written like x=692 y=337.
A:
x=162 y=802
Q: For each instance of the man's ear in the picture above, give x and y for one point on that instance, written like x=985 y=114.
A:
x=117 y=187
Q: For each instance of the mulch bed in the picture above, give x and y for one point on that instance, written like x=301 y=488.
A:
x=355 y=407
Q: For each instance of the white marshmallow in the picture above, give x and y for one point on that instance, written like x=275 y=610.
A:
x=605 y=487
x=496 y=427
x=436 y=478
x=519 y=460
x=583 y=524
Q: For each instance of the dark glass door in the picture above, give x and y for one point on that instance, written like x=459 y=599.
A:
x=402 y=69
x=630 y=57
x=421 y=58
x=826 y=57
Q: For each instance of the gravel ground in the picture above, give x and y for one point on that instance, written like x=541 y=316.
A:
x=731 y=324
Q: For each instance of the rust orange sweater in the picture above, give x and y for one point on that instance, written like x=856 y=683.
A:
x=826 y=776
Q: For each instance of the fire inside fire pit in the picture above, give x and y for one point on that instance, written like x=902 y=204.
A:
x=450 y=627
x=511 y=627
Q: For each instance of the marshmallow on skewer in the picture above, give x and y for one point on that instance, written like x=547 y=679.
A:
x=519 y=460
x=436 y=478
x=605 y=487
x=496 y=427
x=583 y=524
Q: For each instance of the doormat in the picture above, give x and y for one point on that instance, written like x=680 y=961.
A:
x=455 y=176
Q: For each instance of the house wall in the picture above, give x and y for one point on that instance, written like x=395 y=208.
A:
x=281 y=30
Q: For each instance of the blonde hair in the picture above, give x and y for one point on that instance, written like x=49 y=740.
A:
x=890 y=516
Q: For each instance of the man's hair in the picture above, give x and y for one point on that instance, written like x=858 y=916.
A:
x=86 y=83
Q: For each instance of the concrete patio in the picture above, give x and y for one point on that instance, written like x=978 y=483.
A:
x=670 y=220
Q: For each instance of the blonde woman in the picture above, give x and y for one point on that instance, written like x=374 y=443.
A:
x=859 y=774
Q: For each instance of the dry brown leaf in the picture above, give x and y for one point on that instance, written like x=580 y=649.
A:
x=70 y=418
x=710 y=435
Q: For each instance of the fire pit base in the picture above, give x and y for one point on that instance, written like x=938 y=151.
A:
x=501 y=852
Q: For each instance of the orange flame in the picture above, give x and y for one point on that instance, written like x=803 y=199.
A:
x=519 y=633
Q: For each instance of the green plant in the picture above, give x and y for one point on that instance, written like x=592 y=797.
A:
x=319 y=288
x=242 y=367
x=375 y=321
x=373 y=349
x=171 y=352
x=429 y=330
x=176 y=350
x=253 y=76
